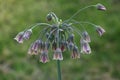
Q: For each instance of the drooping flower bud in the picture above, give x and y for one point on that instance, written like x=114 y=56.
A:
x=70 y=46
x=44 y=56
x=85 y=47
x=27 y=34
x=100 y=30
x=19 y=38
x=57 y=54
x=75 y=53
x=101 y=7
x=35 y=47
x=49 y=17
x=71 y=38
x=86 y=36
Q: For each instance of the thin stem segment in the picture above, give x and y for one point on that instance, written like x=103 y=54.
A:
x=78 y=12
x=59 y=69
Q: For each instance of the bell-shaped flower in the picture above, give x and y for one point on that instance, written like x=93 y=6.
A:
x=86 y=36
x=35 y=47
x=100 y=30
x=57 y=54
x=44 y=56
x=19 y=38
x=85 y=47
x=27 y=34
x=101 y=7
x=75 y=53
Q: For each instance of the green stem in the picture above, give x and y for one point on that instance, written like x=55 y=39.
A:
x=38 y=24
x=59 y=69
x=78 y=12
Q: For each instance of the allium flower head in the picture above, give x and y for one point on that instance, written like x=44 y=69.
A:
x=59 y=36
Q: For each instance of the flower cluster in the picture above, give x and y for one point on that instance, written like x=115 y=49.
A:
x=59 y=37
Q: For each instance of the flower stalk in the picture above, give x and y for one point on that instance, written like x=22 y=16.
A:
x=59 y=70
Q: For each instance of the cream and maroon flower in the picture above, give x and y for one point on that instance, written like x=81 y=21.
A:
x=75 y=53
x=44 y=56
x=101 y=7
x=57 y=54
x=19 y=38
x=27 y=34
x=35 y=47
x=86 y=36
x=100 y=30
x=85 y=47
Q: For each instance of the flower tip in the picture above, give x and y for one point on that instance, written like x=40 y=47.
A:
x=100 y=7
x=49 y=17
x=27 y=34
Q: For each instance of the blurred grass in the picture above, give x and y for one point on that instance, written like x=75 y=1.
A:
x=102 y=64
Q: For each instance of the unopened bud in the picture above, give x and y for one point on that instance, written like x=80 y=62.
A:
x=101 y=7
x=49 y=17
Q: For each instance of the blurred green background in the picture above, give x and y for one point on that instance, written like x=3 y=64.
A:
x=102 y=64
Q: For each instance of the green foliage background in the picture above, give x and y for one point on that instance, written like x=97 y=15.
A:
x=102 y=64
